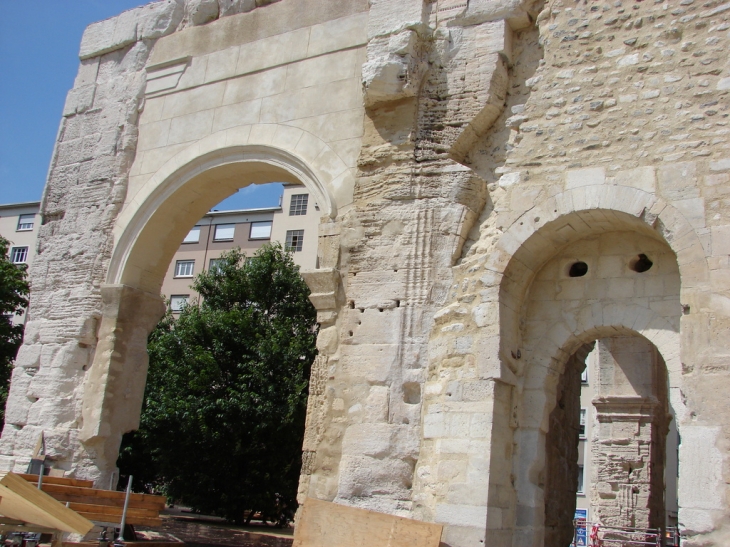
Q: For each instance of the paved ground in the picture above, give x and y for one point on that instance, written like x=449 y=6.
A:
x=198 y=530
x=178 y=524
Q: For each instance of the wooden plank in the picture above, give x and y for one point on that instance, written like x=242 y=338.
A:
x=143 y=499
x=113 y=510
x=66 y=481
x=114 y=520
x=325 y=524
x=20 y=500
x=114 y=502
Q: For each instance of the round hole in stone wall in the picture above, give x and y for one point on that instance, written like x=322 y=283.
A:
x=641 y=263
x=578 y=269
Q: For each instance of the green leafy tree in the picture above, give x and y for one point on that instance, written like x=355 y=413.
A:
x=223 y=418
x=13 y=299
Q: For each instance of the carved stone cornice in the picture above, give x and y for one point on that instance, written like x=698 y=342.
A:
x=628 y=408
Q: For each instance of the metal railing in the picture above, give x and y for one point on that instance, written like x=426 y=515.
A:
x=594 y=534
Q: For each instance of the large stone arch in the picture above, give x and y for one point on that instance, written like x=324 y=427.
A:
x=160 y=212
x=375 y=102
x=148 y=233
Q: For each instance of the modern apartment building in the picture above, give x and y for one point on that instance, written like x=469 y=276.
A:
x=294 y=223
x=19 y=223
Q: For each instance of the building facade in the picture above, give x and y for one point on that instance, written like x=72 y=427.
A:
x=503 y=186
x=293 y=224
x=19 y=224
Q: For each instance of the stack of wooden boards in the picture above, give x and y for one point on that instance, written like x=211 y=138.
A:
x=103 y=507
x=24 y=508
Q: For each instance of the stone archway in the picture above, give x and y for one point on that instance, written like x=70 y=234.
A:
x=147 y=239
x=493 y=388
x=185 y=188
x=407 y=113
x=564 y=307
x=625 y=456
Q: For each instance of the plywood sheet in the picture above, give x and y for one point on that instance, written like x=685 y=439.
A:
x=325 y=524
x=22 y=501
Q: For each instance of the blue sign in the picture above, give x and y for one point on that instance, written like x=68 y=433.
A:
x=581 y=532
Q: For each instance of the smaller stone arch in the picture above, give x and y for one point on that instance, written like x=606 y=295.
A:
x=574 y=214
x=561 y=342
x=565 y=348
x=545 y=228
x=532 y=361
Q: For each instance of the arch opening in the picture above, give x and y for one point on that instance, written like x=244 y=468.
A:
x=611 y=442
x=552 y=317
x=148 y=238
x=148 y=233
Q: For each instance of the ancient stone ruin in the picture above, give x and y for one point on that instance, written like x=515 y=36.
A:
x=505 y=186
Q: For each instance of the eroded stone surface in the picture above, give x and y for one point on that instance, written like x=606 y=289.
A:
x=464 y=155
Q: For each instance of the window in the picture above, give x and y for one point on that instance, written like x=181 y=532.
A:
x=184 y=268
x=215 y=264
x=25 y=223
x=582 y=426
x=584 y=376
x=580 y=479
x=193 y=235
x=298 y=204
x=260 y=230
x=178 y=302
x=19 y=255
x=294 y=240
x=224 y=232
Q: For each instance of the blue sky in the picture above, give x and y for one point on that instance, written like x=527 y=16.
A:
x=39 y=45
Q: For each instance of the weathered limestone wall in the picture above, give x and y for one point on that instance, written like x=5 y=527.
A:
x=87 y=185
x=465 y=155
x=624 y=114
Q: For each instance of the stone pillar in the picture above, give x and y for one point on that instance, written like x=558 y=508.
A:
x=114 y=386
x=628 y=462
x=320 y=462
x=629 y=439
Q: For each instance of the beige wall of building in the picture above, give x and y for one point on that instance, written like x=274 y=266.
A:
x=298 y=218
x=294 y=226
x=216 y=232
x=19 y=223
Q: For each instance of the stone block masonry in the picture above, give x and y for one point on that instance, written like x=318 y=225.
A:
x=490 y=175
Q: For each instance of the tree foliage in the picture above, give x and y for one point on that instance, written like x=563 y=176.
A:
x=14 y=291
x=223 y=418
